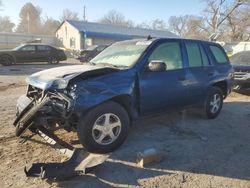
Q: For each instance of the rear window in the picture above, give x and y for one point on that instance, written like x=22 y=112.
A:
x=204 y=57
x=219 y=55
x=43 y=48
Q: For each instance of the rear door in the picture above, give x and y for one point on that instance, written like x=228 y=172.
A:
x=160 y=91
x=26 y=54
x=200 y=71
x=43 y=52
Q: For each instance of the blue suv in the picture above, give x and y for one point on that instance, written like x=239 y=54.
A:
x=128 y=80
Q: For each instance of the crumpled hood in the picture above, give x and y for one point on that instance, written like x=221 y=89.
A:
x=44 y=79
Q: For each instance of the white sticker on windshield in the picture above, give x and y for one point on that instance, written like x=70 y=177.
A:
x=148 y=42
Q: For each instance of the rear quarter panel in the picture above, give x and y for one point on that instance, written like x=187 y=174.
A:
x=223 y=72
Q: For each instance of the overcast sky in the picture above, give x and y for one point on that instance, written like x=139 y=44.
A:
x=136 y=10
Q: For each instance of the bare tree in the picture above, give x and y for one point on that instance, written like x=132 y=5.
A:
x=6 y=25
x=178 y=24
x=30 y=21
x=159 y=24
x=188 y=26
x=238 y=25
x=216 y=13
x=144 y=25
x=49 y=26
x=69 y=15
x=218 y=17
x=195 y=28
x=116 y=18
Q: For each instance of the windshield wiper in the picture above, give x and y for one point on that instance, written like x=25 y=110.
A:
x=107 y=64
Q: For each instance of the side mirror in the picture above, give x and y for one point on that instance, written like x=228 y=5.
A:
x=157 y=66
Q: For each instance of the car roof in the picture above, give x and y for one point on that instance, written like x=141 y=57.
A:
x=132 y=41
x=36 y=44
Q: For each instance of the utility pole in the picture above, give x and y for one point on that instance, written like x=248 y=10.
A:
x=84 y=13
x=28 y=20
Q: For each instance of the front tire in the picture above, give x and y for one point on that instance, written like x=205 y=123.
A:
x=214 y=102
x=104 y=128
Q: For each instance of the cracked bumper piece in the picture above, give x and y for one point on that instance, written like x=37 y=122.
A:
x=27 y=117
x=81 y=162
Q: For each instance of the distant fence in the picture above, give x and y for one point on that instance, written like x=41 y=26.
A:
x=11 y=40
x=234 y=47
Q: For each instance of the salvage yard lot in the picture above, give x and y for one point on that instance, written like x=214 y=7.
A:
x=196 y=152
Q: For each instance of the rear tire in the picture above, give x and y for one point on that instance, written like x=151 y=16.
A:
x=214 y=102
x=6 y=61
x=53 y=60
x=104 y=128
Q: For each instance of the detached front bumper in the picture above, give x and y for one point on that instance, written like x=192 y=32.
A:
x=80 y=161
x=22 y=103
x=53 y=105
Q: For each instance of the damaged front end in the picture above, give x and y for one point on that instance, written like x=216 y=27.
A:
x=39 y=108
x=49 y=104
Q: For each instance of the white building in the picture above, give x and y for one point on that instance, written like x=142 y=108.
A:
x=78 y=35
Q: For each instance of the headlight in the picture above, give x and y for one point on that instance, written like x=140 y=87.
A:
x=60 y=84
x=72 y=91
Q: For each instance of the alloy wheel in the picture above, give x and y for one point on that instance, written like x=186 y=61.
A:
x=106 y=129
x=215 y=103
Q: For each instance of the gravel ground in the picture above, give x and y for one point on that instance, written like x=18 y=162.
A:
x=196 y=152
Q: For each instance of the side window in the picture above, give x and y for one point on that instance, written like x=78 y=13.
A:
x=72 y=42
x=100 y=48
x=28 y=48
x=169 y=53
x=194 y=55
x=42 y=48
x=218 y=54
x=204 y=57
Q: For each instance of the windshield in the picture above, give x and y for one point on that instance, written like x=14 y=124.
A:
x=242 y=58
x=121 y=54
x=91 y=48
x=18 y=47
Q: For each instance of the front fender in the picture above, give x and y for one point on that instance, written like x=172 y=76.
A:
x=94 y=92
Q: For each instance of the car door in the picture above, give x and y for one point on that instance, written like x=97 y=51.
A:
x=43 y=52
x=200 y=72
x=160 y=91
x=26 y=54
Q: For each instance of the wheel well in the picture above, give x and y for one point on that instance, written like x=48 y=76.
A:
x=223 y=86
x=8 y=56
x=125 y=102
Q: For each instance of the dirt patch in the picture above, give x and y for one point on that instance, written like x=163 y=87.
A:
x=13 y=85
x=196 y=152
